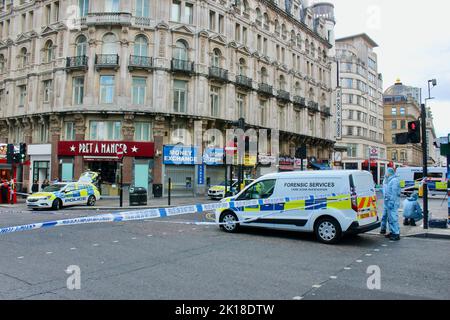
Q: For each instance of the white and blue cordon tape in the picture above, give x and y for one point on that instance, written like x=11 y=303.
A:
x=174 y=211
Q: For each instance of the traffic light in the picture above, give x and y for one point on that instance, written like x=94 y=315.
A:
x=23 y=152
x=402 y=138
x=10 y=153
x=414 y=132
x=300 y=153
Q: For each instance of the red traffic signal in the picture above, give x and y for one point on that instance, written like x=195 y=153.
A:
x=414 y=132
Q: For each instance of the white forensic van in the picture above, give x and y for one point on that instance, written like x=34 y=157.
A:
x=351 y=209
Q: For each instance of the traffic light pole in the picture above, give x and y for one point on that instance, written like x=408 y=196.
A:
x=425 y=165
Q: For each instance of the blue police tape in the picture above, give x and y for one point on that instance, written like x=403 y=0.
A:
x=175 y=211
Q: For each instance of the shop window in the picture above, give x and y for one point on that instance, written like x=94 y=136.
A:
x=41 y=171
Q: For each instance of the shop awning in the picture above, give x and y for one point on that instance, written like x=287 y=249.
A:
x=320 y=166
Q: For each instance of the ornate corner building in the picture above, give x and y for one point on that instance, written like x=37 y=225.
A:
x=86 y=76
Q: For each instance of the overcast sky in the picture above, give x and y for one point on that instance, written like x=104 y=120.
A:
x=414 y=44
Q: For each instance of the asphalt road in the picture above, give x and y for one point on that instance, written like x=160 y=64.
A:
x=160 y=260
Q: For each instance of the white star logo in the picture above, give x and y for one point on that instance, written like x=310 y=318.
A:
x=72 y=148
x=134 y=149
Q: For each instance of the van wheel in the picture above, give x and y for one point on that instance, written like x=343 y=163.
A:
x=230 y=219
x=56 y=204
x=328 y=230
x=91 y=201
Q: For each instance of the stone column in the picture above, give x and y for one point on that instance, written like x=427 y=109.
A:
x=90 y=83
x=128 y=135
x=55 y=134
x=80 y=130
x=27 y=125
x=158 y=134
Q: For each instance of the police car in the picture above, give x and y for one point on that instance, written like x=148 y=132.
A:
x=351 y=208
x=218 y=191
x=59 y=195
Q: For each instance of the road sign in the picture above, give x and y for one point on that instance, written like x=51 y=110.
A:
x=373 y=153
x=119 y=153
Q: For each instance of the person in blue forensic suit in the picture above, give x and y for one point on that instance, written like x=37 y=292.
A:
x=412 y=211
x=391 y=193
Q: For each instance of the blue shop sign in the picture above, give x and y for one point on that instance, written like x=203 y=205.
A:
x=213 y=156
x=201 y=174
x=180 y=155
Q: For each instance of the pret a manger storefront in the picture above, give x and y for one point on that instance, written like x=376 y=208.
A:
x=76 y=157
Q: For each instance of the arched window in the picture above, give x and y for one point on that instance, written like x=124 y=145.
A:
x=2 y=63
x=242 y=67
x=277 y=28
x=109 y=44
x=23 y=58
x=307 y=47
x=284 y=31
x=293 y=37
x=81 y=44
x=282 y=83
x=299 y=40
x=311 y=94
x=266 y=21
x=259 y=17
x=48 y=51
x=181 y=50
x=264 y=75
x=215 y=59
x=244 y=7
x=298 y=89
x=141 y=46
x=324 y=55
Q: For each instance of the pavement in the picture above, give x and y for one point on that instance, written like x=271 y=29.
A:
x=169 y=259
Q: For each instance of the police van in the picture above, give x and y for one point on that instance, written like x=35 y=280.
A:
x=411 y=179
x=339 y=202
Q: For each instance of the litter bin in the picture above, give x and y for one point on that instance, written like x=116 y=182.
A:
x=157 y=190
x=138 y=196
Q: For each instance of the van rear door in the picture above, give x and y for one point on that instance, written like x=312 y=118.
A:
x=364 y=198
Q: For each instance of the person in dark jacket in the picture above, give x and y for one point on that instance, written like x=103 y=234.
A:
x=35 y=187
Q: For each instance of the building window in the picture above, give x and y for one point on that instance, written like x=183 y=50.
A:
x=69 y=131
x=81 y=44
x=403 y=124
x=42 y=133
x=179 y=96
x=109 y=44
x=240 y=102
x=402 y=111
x=22 y=95
x=78 y=90
x=181 y=51
x=311 y=125
x=48 y=51
x=143 y=8
x=263 y=112
x=352 y=150
x=394 y=111
x=47 y=90
x=107 y=89
x=23 y=58
x=105 y=130
x=2 y=63
x=394 y=125
x=216 y=57
x=112 y=6
x=347 y=83
x=182 y=12
x=298 y=122
x=350 y=131
x=143 y=131
x=83 y=5
x=138 y=90
x=215 y=101
x=394 y=155
x=281 y=118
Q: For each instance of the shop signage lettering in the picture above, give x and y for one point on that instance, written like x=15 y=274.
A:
x=180 y=155
x=106 y=148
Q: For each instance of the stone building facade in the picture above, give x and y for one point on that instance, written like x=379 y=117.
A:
x=147 y=71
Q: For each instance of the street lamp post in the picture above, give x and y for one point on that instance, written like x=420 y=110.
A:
x=433 y=83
